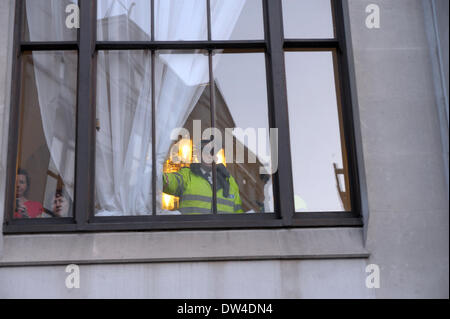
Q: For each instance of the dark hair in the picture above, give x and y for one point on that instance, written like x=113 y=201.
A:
x=21 y=171
x=61 y=192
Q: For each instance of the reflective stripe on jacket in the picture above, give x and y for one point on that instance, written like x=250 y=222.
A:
x=195 y=193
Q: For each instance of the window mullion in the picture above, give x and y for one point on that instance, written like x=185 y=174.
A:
x=283 y=186
x=212 y=105
x=153 y=106
x=14 y=115
x=212 y=102
x=85 y=129
x=152 y=20
x=346 y=101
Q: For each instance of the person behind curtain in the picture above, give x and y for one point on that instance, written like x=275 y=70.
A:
x=62 y=204
x=193 y=185
x=24 y=207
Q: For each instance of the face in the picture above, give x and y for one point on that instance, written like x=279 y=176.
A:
x=21 y=185
x=60 y=205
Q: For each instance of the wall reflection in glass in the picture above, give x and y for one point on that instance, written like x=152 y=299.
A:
x=319 y=157
x=45 y=20
x=125 y=20
x=308 y=19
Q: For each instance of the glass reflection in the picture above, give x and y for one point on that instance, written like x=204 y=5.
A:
x=180 y=20
x=242 y=118
x=183 y=109
x=237 y=20
x=125 y=20
x=45 y=177
x=182 y=112
x=47 y=20
x=308 y=19
x=123 y=175
x=319 y=165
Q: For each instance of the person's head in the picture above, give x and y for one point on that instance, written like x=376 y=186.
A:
x=22 y=183
x=62 y=203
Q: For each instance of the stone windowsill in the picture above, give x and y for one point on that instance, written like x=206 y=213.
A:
x=179 y=246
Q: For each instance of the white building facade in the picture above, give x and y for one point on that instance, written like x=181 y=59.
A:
x=398 y=80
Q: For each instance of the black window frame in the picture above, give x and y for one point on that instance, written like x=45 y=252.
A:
x=274 y=46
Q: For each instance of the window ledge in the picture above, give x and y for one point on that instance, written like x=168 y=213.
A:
x=179 y=246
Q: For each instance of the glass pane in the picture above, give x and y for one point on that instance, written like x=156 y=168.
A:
x=319 y=165
x=180 y=20
x=125 y=20
x=47 y=20
x=182 y=114
x=124 y=140
x=242 y=119
x=45 y=175
x=237 y=20
x=309 y=19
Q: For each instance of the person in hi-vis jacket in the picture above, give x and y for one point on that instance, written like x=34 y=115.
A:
x=193 y=185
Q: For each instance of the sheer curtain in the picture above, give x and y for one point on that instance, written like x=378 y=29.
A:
x=124 y=141
x=180 y=77
x=124 y=161
x=120 y=20
x=55 y=87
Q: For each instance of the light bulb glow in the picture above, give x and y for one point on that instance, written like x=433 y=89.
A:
x=221 y=157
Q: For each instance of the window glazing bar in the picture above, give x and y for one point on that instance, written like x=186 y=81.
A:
x=86 y=114
x=153 y=56
x=49 y=46
x=278 y=112
x=13 y=136
x=179 y=45
x=212 y=101
x=311 y=43
x=347 y=103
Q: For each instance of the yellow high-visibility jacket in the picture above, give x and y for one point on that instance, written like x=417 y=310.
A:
x=195 y=193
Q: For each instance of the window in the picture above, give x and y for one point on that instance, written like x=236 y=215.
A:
x=180 y=114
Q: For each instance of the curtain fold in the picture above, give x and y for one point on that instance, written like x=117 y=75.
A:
x=56 y=93
x=121 y=20
x=124 y=141
x=124 y=162
x=123 y=150
x=177 y=95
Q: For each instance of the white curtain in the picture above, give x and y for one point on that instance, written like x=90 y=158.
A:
x=181 y=81
x=46 y=20
x=184 y=77
x=55 y=76
x=124 y=161
x=124 y=151
x=120 y=20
